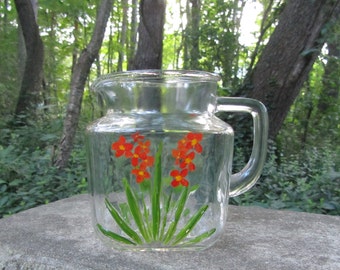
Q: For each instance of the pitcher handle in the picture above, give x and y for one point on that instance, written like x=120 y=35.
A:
x=243 y=180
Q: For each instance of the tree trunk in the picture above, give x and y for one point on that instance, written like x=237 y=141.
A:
x=133 y=34
x=5 y=17
x=150 y=43
x=78 y=80
x=192 y=35
x=150 y=47
x=51 y=62
x=123 y=35
x=185 y=34
x=288 y=57
x=75 y=51
x=31 y=84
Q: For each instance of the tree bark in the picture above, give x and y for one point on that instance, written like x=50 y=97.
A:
x=123 y=34
x=150 y=48
x=288 y=57
x=78 y=80
x=193 y=33
x=75 y=51
x=31 y=84
x=150 y=31
x=133 y=34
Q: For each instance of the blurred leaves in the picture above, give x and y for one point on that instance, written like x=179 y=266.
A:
x=27 y=178
x=306 y=183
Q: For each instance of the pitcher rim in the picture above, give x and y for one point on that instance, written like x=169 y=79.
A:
x=150 y=76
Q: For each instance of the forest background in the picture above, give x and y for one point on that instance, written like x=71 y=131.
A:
x=51 y=51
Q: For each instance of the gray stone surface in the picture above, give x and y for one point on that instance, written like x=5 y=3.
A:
x=60 y=236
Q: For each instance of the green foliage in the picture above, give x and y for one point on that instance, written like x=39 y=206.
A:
x=309 y=182
x=219 y=39
x=170 y=47
x=27 y=177
x=9 y=71
x=303 y=169
x=306 y=125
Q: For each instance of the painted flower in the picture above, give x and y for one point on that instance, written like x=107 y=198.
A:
x=179 y=154
x=138 y=153
x=136 y=137
x=143 y=148
x=140 y=174
x=135 y=159
x=121 y=147
x=179 y=178
x=187 y=162
x=193 y=141
x=182 y=144
x=147 y=162
x=184 y=156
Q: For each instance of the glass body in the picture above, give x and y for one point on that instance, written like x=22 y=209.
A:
x=159 y=161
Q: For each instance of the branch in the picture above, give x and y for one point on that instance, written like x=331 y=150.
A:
x=79 y=77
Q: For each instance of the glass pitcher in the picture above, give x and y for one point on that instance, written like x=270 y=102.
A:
x=159 y=161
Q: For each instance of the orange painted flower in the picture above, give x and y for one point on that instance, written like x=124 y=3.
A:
x=194 y=141
x=136 y=137
x=141 y=175
x=179 y=178
x=187 y=162
x=147 y=162
x=138 y=153
x=135 y=159
x=122 y=147
x=139 y=150
x=184 y=157
x=182 y=143
x=178 y=154
x=143 y=148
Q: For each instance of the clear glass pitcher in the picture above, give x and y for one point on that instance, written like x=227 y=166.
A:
x=159 y=161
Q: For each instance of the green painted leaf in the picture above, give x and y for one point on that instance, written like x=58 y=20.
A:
x=115 y=236
x=135 y=211
x=190 y=225
x=165 y=215
x=199 y=238
x=121 y=223
x=157 y=186
x=180 y=206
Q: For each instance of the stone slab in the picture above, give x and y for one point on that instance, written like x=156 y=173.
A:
x=60 y=236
